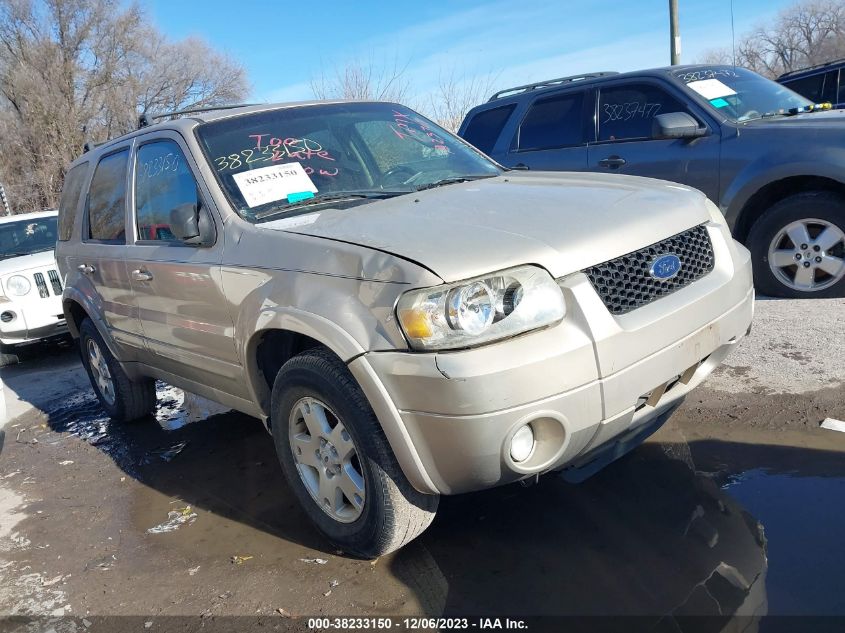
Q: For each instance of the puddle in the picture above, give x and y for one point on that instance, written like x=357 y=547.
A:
x=177 y=408
x=804 y=519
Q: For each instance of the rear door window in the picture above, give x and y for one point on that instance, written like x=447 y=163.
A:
x=107 y=199
x=553 y=122
x=69 y=203
x=484 y=128
x=626 y=112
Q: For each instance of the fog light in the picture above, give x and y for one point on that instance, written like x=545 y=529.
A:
x=522 y=444
x=7 y=317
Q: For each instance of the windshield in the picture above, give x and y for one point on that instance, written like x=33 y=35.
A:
x=29 y=236
x=740 y=94
x=277 y=160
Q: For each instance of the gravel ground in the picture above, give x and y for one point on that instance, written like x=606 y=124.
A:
x=794 y=347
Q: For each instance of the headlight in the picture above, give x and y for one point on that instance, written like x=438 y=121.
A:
x=480 y=310
x=18 y=286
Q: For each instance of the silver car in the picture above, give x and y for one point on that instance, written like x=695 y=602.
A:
x=406 y=317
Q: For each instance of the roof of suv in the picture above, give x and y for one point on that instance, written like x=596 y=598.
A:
x=27 y=216
x=590 y=79
x=187 y=123
x=812 y=70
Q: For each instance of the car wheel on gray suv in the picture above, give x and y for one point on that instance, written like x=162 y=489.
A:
x=798 y=246
x=123 y=398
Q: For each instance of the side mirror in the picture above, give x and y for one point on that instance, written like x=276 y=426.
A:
x=675 y=125
x=191 y=224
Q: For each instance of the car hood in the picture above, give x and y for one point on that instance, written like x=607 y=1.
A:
x=824 y=119
x=25 y=262
x=564 y=222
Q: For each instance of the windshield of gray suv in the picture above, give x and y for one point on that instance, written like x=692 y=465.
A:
x=740 y=94
x=25 y=237
x=280 y=160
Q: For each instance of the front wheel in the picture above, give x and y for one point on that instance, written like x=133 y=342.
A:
x=337 y=460
x=798 y=247
x=122 y=398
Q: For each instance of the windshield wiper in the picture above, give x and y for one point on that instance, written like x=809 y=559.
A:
x=328 y=197
x=8 y=255
x=451 y=181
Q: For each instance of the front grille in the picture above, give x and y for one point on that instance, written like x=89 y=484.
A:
x=42 y=287
x=625 y=283
x=55 y=282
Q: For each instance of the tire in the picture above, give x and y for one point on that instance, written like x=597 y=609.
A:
x=129 y=399
x=816 y=211
x=391 y=512
x=8 y=356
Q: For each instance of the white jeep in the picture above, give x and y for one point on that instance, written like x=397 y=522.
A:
x=30 y=285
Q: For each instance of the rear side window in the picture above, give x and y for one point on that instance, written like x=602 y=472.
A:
x=163 y=182
x=627 y=112
x=107 y=199
x=553 y=122
x=811 y=87
x=485 y=127
x=69 y=203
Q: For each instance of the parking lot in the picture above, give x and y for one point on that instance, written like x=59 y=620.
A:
x=734 y=507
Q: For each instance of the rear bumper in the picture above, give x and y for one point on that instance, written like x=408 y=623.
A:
x=582 y=384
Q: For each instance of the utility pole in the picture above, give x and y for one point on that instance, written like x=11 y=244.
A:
x=4 y=200
x=674 y=34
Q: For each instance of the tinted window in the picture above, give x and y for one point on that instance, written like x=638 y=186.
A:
x=163 y=182
x=553 y=122
x=831 y=86
x=810 y=87
x=69 y=203
x=106 y=199
x=485 y=127
x=626 y=112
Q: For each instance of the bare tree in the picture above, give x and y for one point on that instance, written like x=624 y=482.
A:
x=76 y=70
x=362 y=80
x=456 y=95
x=805 y=34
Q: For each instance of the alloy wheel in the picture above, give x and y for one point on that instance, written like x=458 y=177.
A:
x=100 y=371
x=327 y=459
x=808 y=255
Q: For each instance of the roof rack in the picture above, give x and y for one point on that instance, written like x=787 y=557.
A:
x=551 y=82
x=817 y=66
x=146 y=119
x=89 y=145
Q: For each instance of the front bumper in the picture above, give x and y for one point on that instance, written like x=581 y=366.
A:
x=33 y=320
x=582 y=384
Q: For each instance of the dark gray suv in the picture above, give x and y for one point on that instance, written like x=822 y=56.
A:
x=771 y=160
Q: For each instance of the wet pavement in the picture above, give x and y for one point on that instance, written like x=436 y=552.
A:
x=733 y=509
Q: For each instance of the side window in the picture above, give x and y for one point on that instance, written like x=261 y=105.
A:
x=485 y=127
x=107 y=199
x=163 y=182
x=831 y=86
x=626 y=112
x=69 y=203
x=809 y=87
x=553 y=122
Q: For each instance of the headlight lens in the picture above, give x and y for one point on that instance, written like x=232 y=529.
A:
x=18 y=285
x=480 y=310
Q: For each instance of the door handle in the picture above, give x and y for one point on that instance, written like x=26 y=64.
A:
x=612 y=162
x=142 y=275
x=85 y=269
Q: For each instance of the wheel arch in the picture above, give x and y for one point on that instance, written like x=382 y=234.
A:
x=769 y=194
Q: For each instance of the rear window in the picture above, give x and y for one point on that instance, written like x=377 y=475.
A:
x=71 y=190
x=485 y=127
x=107 y=199
x=553 y=122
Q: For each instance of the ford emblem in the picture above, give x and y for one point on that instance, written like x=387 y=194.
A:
x=665 y=267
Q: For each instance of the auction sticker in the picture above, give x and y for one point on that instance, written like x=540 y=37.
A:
x=274 y=183
x=711 y=88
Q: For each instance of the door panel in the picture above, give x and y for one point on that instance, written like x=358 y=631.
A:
x=178 y=289
x=625 y=115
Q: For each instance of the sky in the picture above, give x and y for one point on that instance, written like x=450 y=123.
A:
x=283 y=44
